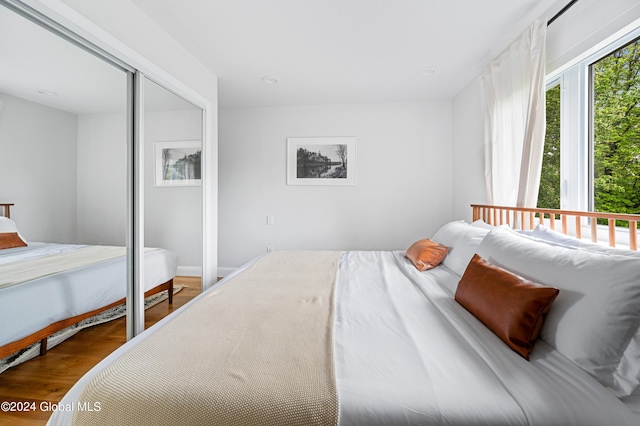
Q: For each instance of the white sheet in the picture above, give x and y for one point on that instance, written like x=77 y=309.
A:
x=406 y=353
x=28 y=307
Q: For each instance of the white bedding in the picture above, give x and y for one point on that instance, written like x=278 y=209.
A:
x=406 y=353
x=30 y=306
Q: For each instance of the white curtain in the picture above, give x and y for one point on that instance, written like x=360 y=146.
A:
x=514 y=101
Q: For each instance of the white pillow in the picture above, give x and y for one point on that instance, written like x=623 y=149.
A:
x=8 y=225
x=462 y=240
x=596 y=313
x=543 y=233
x=626 y=378
x=482 y=224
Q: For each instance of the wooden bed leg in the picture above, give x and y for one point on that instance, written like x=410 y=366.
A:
x=170 y=291
x=43 y=347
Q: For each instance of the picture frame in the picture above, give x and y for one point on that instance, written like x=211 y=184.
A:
x=321 y=161
x=178 y=163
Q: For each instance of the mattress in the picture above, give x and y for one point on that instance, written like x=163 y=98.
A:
x=30 y=306
x=406 y=353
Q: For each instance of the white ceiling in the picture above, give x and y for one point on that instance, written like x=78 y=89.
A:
x=343 y=51
x=321 y=51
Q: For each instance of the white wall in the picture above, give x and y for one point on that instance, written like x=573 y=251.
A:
x=38 y=169
x=468 y=151
x=586 y=24
x=403 y=190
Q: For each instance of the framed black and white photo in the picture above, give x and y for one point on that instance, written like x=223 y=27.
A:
x=178 y=163
x=321 y=161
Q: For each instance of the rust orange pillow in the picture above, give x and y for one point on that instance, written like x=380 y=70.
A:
x=10 y=240
x=512 y=307
x=426 y=254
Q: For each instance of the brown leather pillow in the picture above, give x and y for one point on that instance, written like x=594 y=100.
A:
x=10 y=240
x=426 y=254
x=512 y=307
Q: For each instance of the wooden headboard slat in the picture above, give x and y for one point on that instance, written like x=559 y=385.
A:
x=578 y=228
x=612 y=232
x=493 y=216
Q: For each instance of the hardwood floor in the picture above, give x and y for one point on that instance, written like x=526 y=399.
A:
x=44 y=380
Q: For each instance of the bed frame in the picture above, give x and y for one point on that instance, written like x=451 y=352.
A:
x=7 y=210
x=43 y=334
x=528 y=218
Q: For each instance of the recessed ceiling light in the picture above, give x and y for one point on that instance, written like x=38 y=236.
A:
x=47 y=93
x=267 y=79
x=427 y=71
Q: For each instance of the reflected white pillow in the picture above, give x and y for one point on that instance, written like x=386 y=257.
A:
x=596 y=313
x=462 y=240
x=8 y=225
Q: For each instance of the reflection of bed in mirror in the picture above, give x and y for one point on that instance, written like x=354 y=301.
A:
x=46 y=287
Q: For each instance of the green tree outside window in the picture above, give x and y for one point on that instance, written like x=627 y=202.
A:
x=616 y=131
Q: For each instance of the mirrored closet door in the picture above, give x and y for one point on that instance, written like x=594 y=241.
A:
x=62 y=137
x=173 y=176
x=66 y=145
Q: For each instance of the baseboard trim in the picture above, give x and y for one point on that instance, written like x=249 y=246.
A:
x=189 y=271
x=224 y=271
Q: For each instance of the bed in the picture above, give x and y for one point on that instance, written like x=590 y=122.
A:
x=478 y=325
x=47 y=287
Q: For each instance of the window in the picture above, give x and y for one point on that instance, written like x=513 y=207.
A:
x=616 y=130
x=592 y=145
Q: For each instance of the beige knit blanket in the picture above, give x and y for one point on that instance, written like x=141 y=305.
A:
x=31 y=269
x=257 y=350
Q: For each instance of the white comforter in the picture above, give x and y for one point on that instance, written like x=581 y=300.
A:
x=28 y=307
x=407 y=354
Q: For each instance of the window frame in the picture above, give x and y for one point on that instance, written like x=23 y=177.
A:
x=576 y=123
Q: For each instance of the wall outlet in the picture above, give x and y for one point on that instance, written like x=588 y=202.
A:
x=269 y=249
